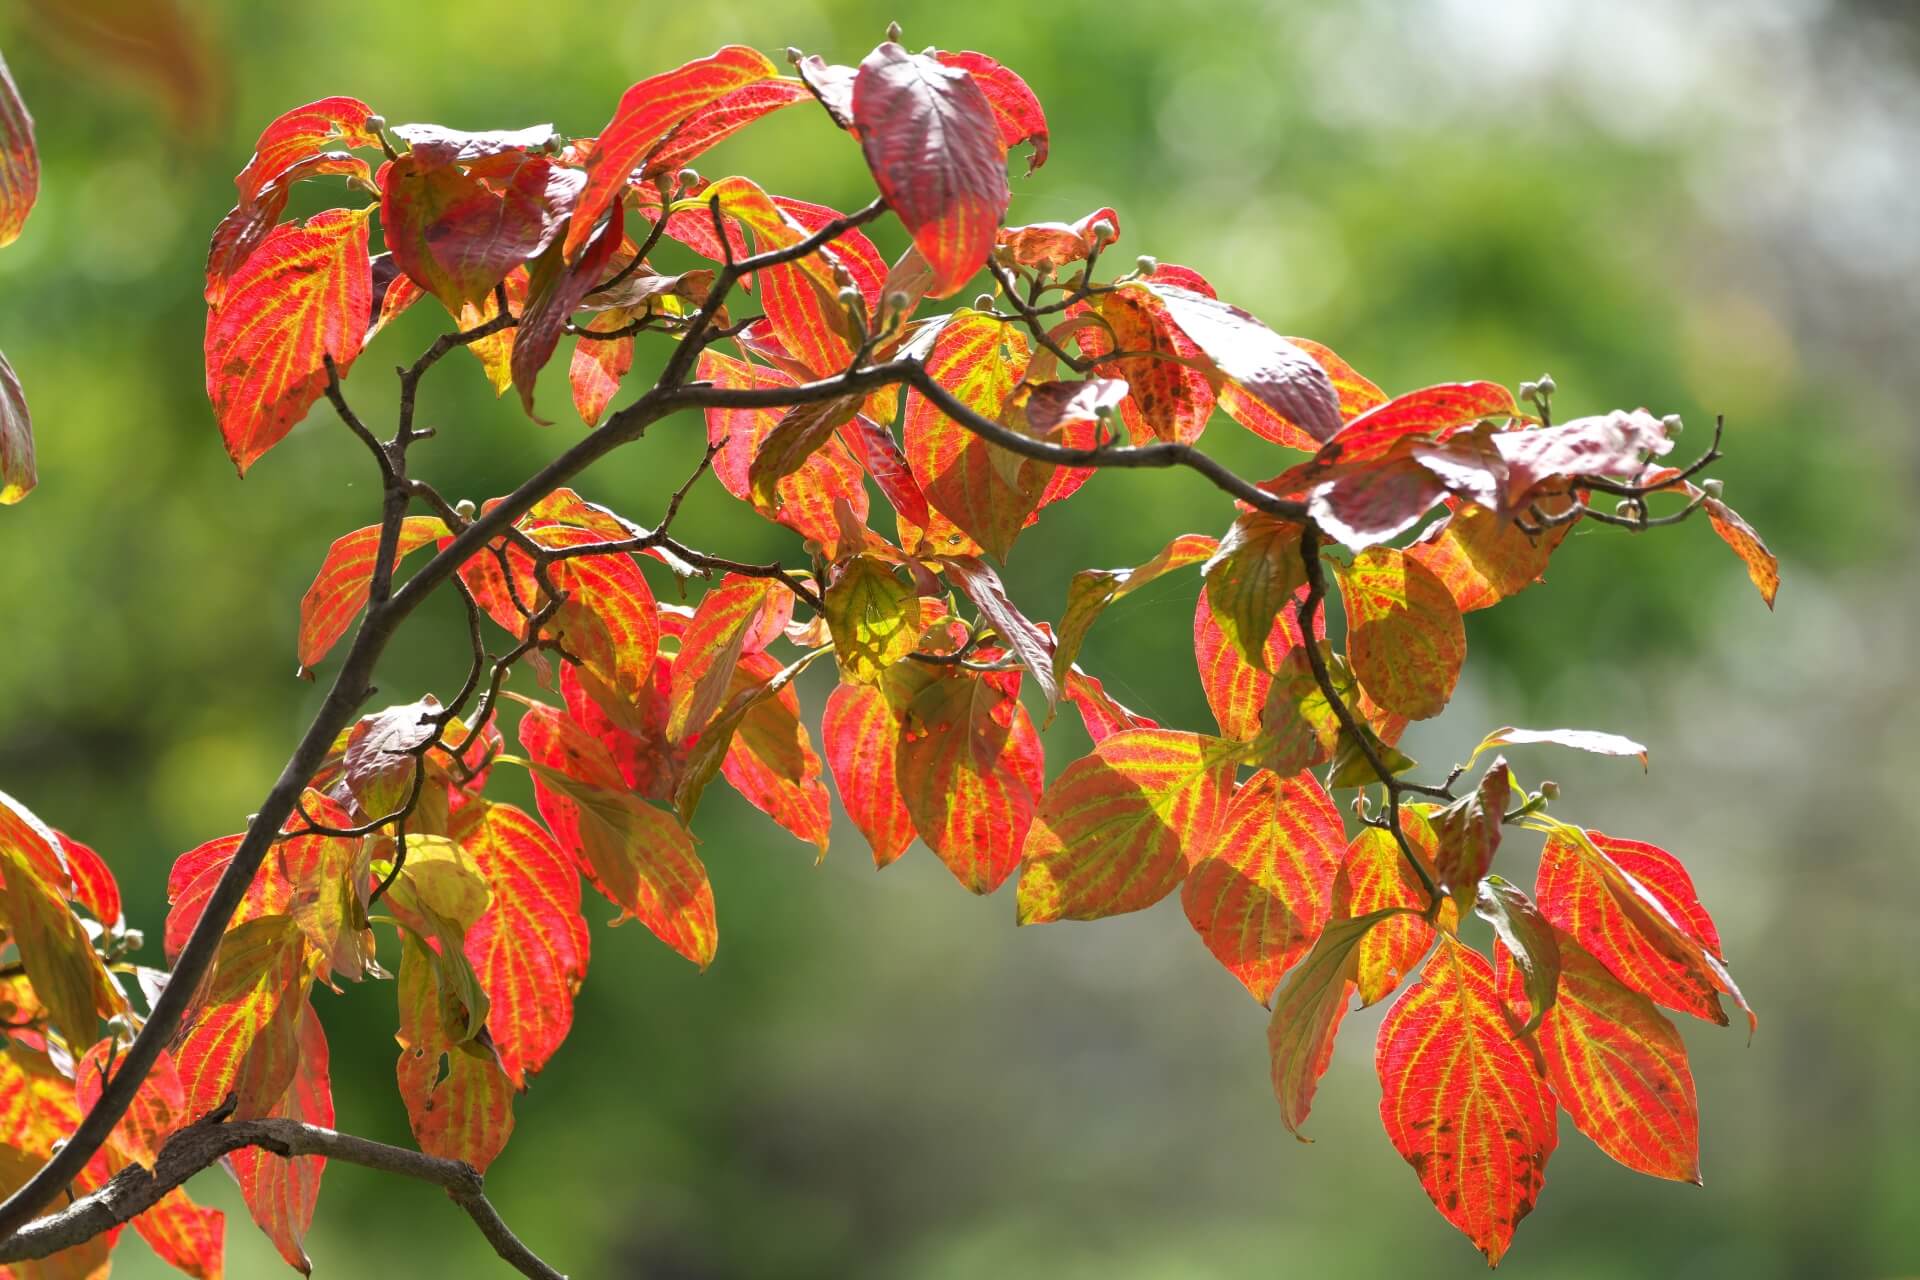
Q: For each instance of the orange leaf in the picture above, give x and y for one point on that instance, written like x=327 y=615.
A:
x=530 y=948
x=1264 y=889
x=860 y=734
x=968 y=767
x=1374 y=877
x=1763 y=567
x=639 y=857
x=1617 y=1065
x=306 y=293
x=1404 y=634
x=244 y=1038
x=1252 y=578
x=1015 y=108
x=280 y=1191
x=1483 y=557
x=711 y=648
x=339 y=590
x=17 y=472
x=1119 y=829
x=1463 y=1100
x=770 y=759
x=1236 y=689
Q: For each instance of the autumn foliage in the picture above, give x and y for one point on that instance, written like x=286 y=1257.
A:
x=908 y=451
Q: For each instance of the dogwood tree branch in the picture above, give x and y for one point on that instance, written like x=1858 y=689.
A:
x=198 y=1146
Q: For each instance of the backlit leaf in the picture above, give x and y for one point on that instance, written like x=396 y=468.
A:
x=280 y=1192
x=1615 y=444
x=1057 y=243
x=933 y=142
x=1015 y=108
x=1617 y=1065
x=638 y=856
x=1120 y=828
x=458 y=229
x=459 y=1100
x=339 y=590
x=1373 y=877
x=719 y=120
x=1264 y=889
x=305 y=294
x=874 y=618
x=1633 y=908
x=1307 y=1011
x=1404 y=634
x=1469 y=832
x=710 y=649
x=1483 y=557
x=647 y=113
x=93 y=884
x=1527 y=944
x=860 y=735
x=1018 y=634
x=968 y=767
x=1237 y=690
x=555 y=289
x=1763 y=567
x=1101 y=713
x=1463 y=1100
x=801 y=432
x=245 y=1037
x=598 y=365
x=1252 y=578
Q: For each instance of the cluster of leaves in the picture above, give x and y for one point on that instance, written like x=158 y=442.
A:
x=1421 y=507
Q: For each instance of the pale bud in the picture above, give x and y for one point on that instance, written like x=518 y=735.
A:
x=1673 y=424
x=1713 y=488
x=849 y=297
x=1146 y=264
x=794 y=56
x=1103 y=231
x=376 y=124
x=983 y=303
x=893 y=32
x=1546 y=385
x=898 y=300
x=687 y=178
x=1529 y=391
x=465 y=508
x=1549 y=790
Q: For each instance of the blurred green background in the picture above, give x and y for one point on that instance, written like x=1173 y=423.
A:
x=1706 y=207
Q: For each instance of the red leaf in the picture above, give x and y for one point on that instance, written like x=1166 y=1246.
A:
x=1617 y=1065
x=302 y=133
x=720 y=120
x=1368 y=505
x=1100 y=712
x=1633 y=908
x=1404 y=634
x=597 y=367
x=1252 y=578
x=1763 y=567
x=875 y=449
x=530 y=948
x=710 y=649
x=1616 y=444
x=1264 y=889
x=1056 y=243
x=859 y=734
x=191 y=882
x=1119 y=829
x=1483 y=557
x=339 y=590
x=1170 y=399
x=17 y=473
x=933 y=143
x=306 y=293
x=1027 y=642
x=19 y=160
x=1463 y=1101
x=1431 y=414
x=93 y=884
x=770 y=758
x=280 y=1192
x=646 y=114
x=1015 y=109
x=554 y=291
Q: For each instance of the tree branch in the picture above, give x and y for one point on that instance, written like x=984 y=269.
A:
x=196 y=1147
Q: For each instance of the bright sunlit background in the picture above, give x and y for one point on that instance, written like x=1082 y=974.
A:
x=1701 y=208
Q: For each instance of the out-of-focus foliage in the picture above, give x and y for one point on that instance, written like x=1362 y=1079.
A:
x=1701 y=209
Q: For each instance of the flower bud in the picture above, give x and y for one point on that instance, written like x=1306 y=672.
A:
x=983 y=303
x=1146 y=264
x=1673 y=424
x=1549 y=790
x=464 y=508
x=1103 y=231
x=893 y=32
x=1547 y=387
x=849 y=297
x=794 y=56
x=376 y=124
x=1529 y=391
x=1713 y=488
x=898 y=301
x=687 y=178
